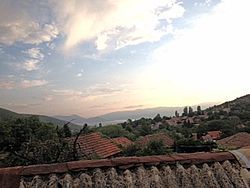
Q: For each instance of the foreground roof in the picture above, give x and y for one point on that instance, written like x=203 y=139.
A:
x=182 y=170
x=94 y=144
x=238 y=140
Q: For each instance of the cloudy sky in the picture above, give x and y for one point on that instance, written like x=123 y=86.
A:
x=90 y=57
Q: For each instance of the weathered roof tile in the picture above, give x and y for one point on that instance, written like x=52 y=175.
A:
x=106 y=172
x=122 y=141
x=238 y=140
x=156 y=137
x=94 y=144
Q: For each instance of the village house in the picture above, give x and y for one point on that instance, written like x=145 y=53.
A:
x=174 y=121
x=211 y=136
x=156 y=126
x=215 y=135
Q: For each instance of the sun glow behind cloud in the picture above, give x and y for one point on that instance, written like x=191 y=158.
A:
x=204 y=62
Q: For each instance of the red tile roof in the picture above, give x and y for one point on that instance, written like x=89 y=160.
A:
x=207 y=138
x=156 y=137
x=214 y=134
x=122 y=141
x=95 y=144
x=238 y=140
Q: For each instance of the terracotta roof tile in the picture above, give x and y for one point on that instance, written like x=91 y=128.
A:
x=238 y=140
x=95 y=144
x=122 y=141
x=214 y=134
x=181 y=170
x=156 y=137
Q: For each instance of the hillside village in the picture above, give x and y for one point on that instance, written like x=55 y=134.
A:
x=187 y=131
x=124 y=94
x=222 y=128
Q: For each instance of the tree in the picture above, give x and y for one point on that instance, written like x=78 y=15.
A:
x=66 y=131
x=199 y=110
x=176 y=113
x=190 y=111
x=100 y=124
x=114 y=131
x=129 y=128
x=4 y=134
x=129 y=121
x=187 y=124
x=157 y=118
x=185 y=111
x=225 y=126
x=29 y=141
x=145 y=130
x=165 y=118
x=152 y=148
x=75 y=152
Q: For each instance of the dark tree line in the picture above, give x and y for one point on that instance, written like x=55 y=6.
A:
x=28 y=141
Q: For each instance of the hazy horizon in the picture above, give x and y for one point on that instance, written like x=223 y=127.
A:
x=90 y=57
x=203 y=106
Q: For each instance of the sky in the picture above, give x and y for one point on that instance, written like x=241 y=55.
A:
x=91 y=57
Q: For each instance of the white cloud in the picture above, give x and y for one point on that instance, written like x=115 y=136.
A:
x=48 y=98
x=95 y=92
x=43 y=33
x=18 y=24
x=110 y=23
x=204 y=3
x=80 y=74
x=6 y=84
x=26 y=32
x=11 y=84
x=32 y=83
x=115 y=23
x=67 y=92
x=31 y=65
x=35 y=56
x=35 y=53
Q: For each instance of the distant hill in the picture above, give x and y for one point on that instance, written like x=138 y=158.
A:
x=76 y=119
x=147 y=113
x=236 y=109
x=109 y=118
x=7 y=114
x=241 y=104
x=139 y=113
x=121 y=116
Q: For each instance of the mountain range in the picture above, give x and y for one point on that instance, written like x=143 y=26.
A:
x=121 y=116
x=109 y=118
x=7 y=114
